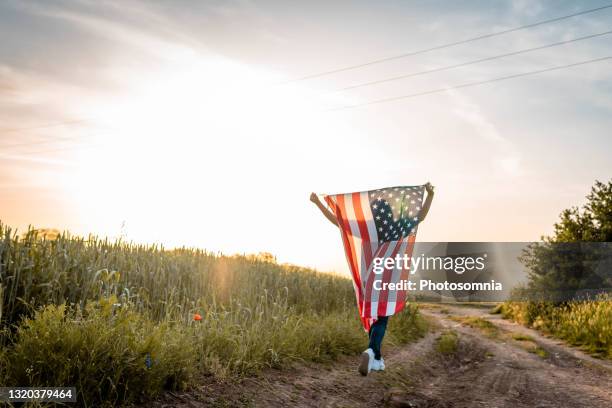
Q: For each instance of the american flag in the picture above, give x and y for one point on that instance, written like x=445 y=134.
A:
x=377 y=224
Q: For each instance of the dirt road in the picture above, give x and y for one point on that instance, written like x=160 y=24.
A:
x=495 y=364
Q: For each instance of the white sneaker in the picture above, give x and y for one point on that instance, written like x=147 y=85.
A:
x=378 y=365
x=366 y=362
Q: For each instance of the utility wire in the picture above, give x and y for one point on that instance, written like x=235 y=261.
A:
x=470 y=84
x=463 y=64
x=378 y=61
x=447 y=45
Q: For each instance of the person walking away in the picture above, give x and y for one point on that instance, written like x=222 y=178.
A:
x=371 y=359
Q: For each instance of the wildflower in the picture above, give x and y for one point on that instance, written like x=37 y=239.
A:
x=197 y=317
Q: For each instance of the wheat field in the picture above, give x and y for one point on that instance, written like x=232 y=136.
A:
x=123 y=321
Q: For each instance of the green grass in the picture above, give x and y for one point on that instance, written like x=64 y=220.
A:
x=100 y=351
x=447 y=342
x=160 y=283
x=497 y=309
x=586 y=324
x=488 y=328
x=522 y=337
x=539 y=351
x=116 y=319
x=408 y=326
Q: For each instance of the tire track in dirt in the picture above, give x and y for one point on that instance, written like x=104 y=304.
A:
x=513 y=377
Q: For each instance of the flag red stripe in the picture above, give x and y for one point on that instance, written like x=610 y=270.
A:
x=381 y=250
x=349 y=244
x=387 y=274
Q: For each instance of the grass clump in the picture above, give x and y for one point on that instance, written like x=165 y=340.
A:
x=539 y=351
x=447 y=342
x=488 y=328
x=529 y=344
x=497 y=309
x=522 y=337
x=407 y=326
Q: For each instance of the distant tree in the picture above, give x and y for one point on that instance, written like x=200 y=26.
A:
x=576 y=260
x=592 y=223
x=262 y=256
x=49 y=234
x=266 y=257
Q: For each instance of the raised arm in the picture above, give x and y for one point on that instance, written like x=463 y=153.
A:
x=430 y=194
x=328 y=214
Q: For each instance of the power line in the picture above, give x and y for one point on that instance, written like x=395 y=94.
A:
x=470 y=84
x=463 y=64
x=447 y=45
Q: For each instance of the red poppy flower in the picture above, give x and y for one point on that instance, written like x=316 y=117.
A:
x=197 y=317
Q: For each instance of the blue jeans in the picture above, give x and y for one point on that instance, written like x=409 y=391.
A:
x=377 y=332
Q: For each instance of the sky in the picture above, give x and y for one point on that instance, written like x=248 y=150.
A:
x=182 y=123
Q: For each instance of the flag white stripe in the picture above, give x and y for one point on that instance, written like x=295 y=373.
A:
x=395 y=278
x=376 y=293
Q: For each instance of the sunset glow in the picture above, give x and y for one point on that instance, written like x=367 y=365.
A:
x=187 y=129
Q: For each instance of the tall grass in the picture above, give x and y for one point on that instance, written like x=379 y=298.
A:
x=161 y=283
x=584 y=323
x=115 y=319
